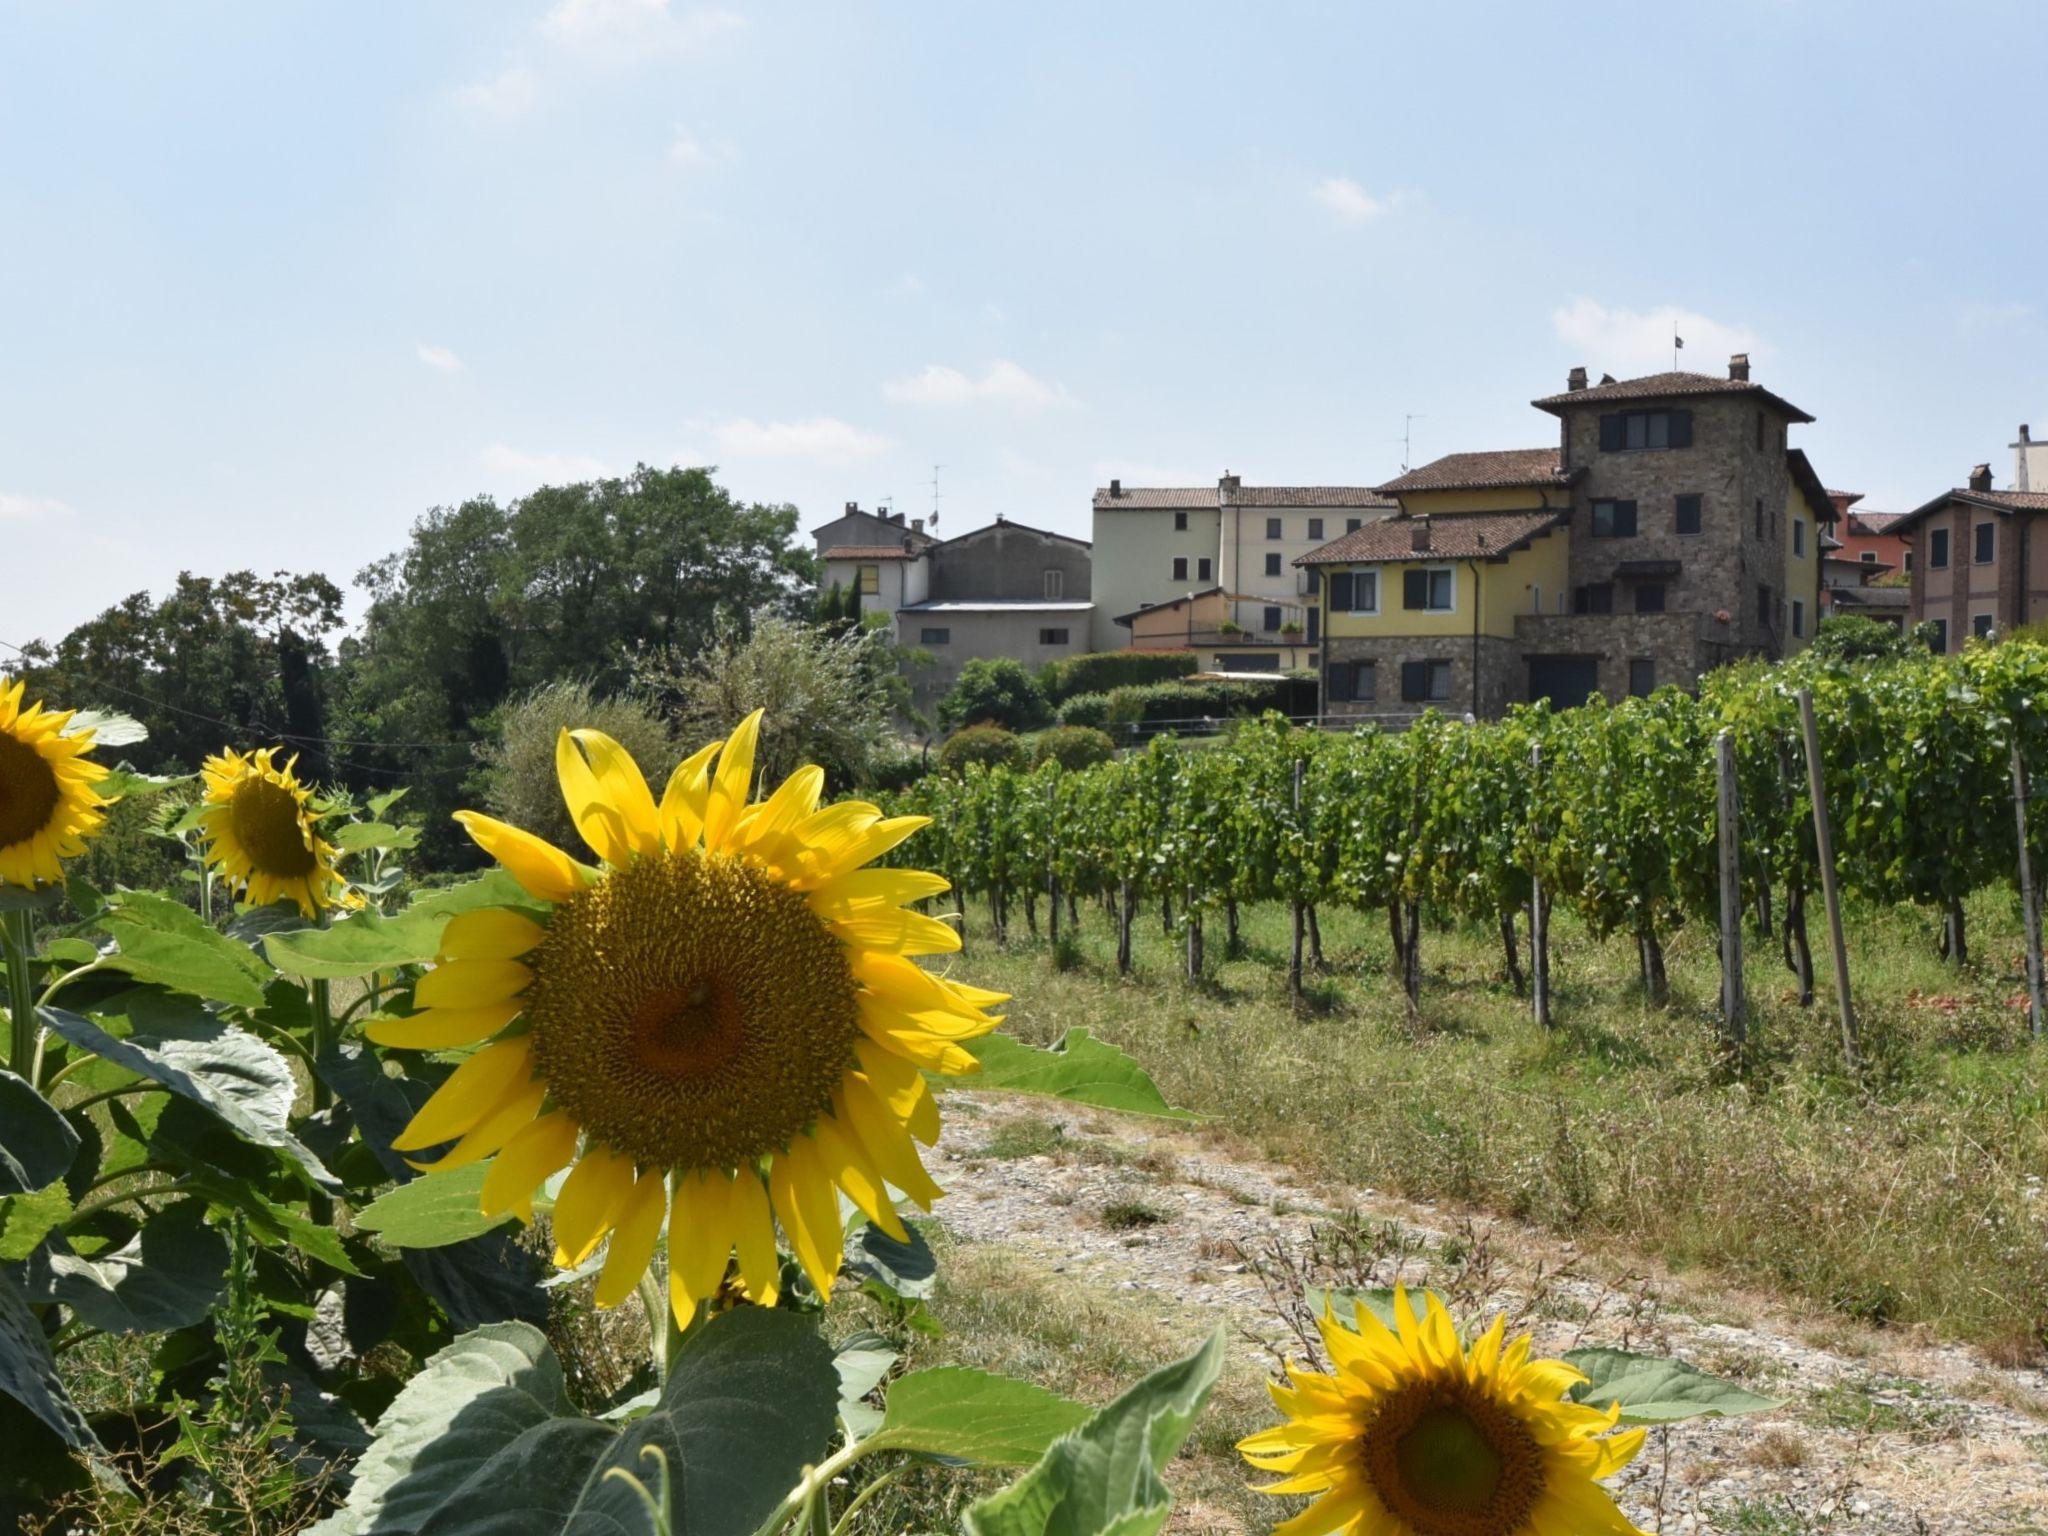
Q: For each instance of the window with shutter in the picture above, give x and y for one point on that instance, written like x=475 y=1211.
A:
x=1688 y=519
x=1439 y=681
x=1681 y=429
x=1364 y=682
x=1415 y=589
x=1340 y=592
x=1315 y=527
x=1987 y=535
x=1614 y=519
x=1203 y=568
x=1272 y=565
x=1610 y=433
x=1937 y=549
x=1340 y=682
x=1414 y=682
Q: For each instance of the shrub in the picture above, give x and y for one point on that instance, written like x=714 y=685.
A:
x=1194 y=699
x=1091 y=709
x=989 y=745
x=997 y=690
x=1072 y=746
x=519 y=783
x=1852 y=637
x=1100 y=671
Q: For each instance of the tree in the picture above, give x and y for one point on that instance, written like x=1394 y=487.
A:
x=1852 y=637
x=996 y=690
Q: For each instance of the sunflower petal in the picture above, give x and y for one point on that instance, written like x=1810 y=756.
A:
x=541 y=1149
x=473 y=1090
x=470 y=983
x=490 y=933
x=864 y=888
x=886 y=1140
x=846 y=1163
x=597 y=820
x=902 y=1087
x=442 y=1029
x=684 y=801
x=700 y=1237
x=732 y=784
x=897 y=932
x=491 y=1132
x=634 y=1238
x=587 y=1203
x=541 y=868
x=754 y=1236
x=809 y=1211
x=624 y=788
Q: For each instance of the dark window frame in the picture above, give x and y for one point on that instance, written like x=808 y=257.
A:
x=1180 y=567
x=1273 y=528
x=1271 y=618
x=1646 y=431
x=1204 y=569
x=1695 y=503
x=1056 y=635
x=1937 y=549
x=1315 y=527
x=1618 y=513
x=935 y=634
x=1649 y=597
x=1273 y=565
x=1594 y=598
x=1984 y=542
x=1180 y=522
x=1642 y=676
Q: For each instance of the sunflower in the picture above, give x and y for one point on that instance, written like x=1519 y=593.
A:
x=48 y=807
x=1414 y=1436
x=718 y=1029
x=261 y=833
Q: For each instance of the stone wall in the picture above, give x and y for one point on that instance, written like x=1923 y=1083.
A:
x=1683 y=646
x=1502 y=680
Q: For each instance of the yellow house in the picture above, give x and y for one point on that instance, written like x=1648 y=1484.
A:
x=1809 y=513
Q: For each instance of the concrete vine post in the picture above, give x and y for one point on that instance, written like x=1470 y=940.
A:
x=1824 y=848
x=1300 y=926
x=1539 y=919
x=2030 y=897
x=1734 y=1009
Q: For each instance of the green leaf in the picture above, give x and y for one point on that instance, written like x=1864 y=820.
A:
x=267 y=1218
x=433 y=1211
x=368 y=941
x=36 y=1142
x=169 y=1275
x=29 y=898
x=359 y=836
x=244 y=1082
x=110 y=728
x=1657 y=1391
x=907 y=1270
x=1103 y=1479
x=1378 y=1300
x=1078 y=1068
x=863 y=1362
x=28 y=1372
x=25 y=1220
x=126 y=783
x=974 y=1416
x=166 y=942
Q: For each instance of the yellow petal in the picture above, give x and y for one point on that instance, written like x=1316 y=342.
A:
x=683 y=802
x=907 y=982
x=902 y=1087
x=897 y=932
x=528 y=1160
x=754 y=1236
x=797 y=798
x=441 y=1029
x=886 y=1140
x=846 y=1164
x=633 y=1239
x=844 y=849
x=491 y=1132
x=586 y=1205
x=699 y=1238
x=597 y=820
x=875 y=888
x=624 y=788
x=940 y=1026
x=926 y=1050
x=732 y=784
x=470 y=983
x=489 y=933
x=538 y=865
x=809 y=1211
x=472 y=1091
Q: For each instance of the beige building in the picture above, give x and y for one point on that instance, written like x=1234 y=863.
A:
x=1206 y=623
x=1162 y=544
x=1982 y=561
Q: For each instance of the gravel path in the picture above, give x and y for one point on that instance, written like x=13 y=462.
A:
x=1878 y=1432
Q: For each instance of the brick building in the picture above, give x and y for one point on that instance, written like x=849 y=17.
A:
x=1981 y=560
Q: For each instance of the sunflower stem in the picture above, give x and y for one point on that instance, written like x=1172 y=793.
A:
x=21 y=997
x=323 y=1039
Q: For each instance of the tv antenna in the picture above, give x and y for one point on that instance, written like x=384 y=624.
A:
x=934 y=484
x=1407 y=434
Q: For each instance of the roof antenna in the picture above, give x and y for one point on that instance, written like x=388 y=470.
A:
x=934 y=484
x=1407 y=431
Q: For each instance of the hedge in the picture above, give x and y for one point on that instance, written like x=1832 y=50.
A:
x=989 y=745
x=1100 y=671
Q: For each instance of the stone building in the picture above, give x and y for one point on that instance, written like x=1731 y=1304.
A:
x=1981 y=566
x=1672 y=530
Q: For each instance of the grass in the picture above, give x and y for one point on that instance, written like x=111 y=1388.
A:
x=1907 y=1193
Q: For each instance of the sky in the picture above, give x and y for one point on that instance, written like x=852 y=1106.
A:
x=276 y=278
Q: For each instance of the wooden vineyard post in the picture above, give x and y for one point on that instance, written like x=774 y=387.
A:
x=1824 y=847
x=1734 y=1020
x=2030 y=898
x=1052 y=879
x=1539 y=921
x=1300 y=921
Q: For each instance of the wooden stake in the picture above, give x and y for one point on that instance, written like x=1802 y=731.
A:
x=1824 y=847
x=2030 y=899
x=1734 y=1017
x=1300 y=925
x=1539 y=921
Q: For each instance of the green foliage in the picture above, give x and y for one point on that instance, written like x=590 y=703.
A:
x=981 y=746
x=1160 y=703
x=1100 y=671
x=1072 y=747
x=974 y=1416
x=1077 y=1068
x=1090 y=710
x=1651 y=1390
x=1852 y=637
x=519 y=781
x=996 y=691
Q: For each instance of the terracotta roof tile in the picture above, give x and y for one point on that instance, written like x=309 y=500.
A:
x=1665 y=386
x=1452 y=536
x=870 y=552
x=1153 y=498
x=1497 y=469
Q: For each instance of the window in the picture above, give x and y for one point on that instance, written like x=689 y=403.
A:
x=1352 y=525
x=1909 y=562
x=1055 y=585
x=1981 y=626
x=1180 y=567
x=1180 y=522
x=1272 y=565
x=1052 y=637
x=1352 y=682
x=1688 y=519
x=1987 y=543
x=1759 y=517
x=1203 y=567
x=1355 y=592
x=1937 y=549
x=1247 y=661
x=1432 y=591
x=1649 y=597
x=870 y=578
x=1315 y=527
x=1798 y=617
x=1425 y=682
x=1799 y=538
x=1269 y=618
x=1766 y=614
x=1596 y=597
x=1938 y=642
x=1759 y=429
x=1272 y=527
x=1868 y=557
x=1645 y=429
x=1614 y=519
x=930 y=636
x=1642 y=677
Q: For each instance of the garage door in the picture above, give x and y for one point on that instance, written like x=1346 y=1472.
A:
x=1564 y=680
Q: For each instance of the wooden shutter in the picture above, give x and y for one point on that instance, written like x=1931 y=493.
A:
x=1610 y=433
x=1625 y=519
x=1340 y=682
x=1681 y=429
x=1415 y=589
x=1340 y=592
x=1414 y=682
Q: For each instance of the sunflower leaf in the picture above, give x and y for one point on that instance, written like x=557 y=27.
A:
x=907 y=1271
x=169 y=1275
x=1077 y=1068
x=166 y=942
x=36 y=1142
x=368 y=941
x=1651 y=1390
x=25 y=1220
x=974 y=1416
x=432 y=1212
x=110 y=728
x=28 y=1372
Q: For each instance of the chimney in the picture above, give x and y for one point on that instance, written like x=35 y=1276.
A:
x=917 y=525
x=1000 y=518
x=1418 y=536
x=910 y=546
x=1116 y=489
x=1980 y=478
x=1606 y=378
x=852 y=507
x=1229 y=482
x=896 y=518
x=1576 y=379
x=1738 y=368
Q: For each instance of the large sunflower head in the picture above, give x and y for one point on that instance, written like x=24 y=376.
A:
x=721 y=1025
x=261 y=834
x=1414 y=1435
x=48 y=807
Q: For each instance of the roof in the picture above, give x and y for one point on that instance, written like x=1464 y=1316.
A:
x=1171 y=602
x=1452 y=536
x=871 y=552
x=1154 y=498
x=1873 y=597
x=1809 y=485
x=1844 y=500
x=997 y=605
x=1011 y=523
x=1664 y=386
x=2003 y=502
x=1496 y=469
x=1876 y=524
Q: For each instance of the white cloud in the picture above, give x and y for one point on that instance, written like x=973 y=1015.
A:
x=1347 y=199
x=18 y=508
x=821 y=439
x=514 y=466
x=439 y=358
x=1631 y=341
x=506 y=94
x=624 y=29
x=1992 y=317
x=1001 y=383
